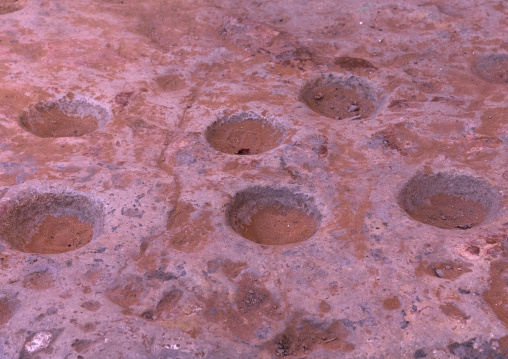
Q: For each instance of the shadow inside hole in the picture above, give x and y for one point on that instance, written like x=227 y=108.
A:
x=68 y=117
x=273 y=216
x=449 y=201
x=49 y=223
x=339 y=97
x=244 y=134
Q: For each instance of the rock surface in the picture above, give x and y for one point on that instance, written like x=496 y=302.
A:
x=374 y=131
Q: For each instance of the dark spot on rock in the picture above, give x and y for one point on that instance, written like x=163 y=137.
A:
x=161 y=275
x=464 y=291
x=349 y=63
x=463 y=350
x=473 y=250
x=420 y=353
x=243 y=151
x=123 y=98
x=80 y=344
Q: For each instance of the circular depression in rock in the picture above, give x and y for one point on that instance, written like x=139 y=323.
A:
x=493 y=68
x=273 y=216
x=70 y=116
x=49 y=223
x=244 y=134
x=449 y=201
x=7 y=6
x=339 y=98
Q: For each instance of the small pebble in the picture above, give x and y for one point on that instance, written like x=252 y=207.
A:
x=39 y=341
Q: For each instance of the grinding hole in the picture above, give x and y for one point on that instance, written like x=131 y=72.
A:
x=7 y=6
x=49 y=223
x=244 y=134
x=339 y=98
x=273 y=216
x=493 y=68
x=68 y=117
x=448 y=201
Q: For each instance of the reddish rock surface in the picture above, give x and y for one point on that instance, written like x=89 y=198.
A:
x=253 y=179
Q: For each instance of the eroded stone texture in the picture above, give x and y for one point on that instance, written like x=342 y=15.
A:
x=241 y=179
